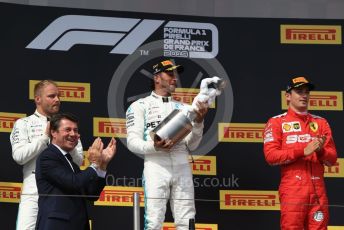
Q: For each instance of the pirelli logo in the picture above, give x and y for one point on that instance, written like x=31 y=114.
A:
x=170 y=226
x=186 y=95
x=10 y=192
x=321 y=100
x=69 y=91
x=85 y=162
x=7 y=121
x=249 y=200
x=119 y=196
x=203 y=165
x=337 y=170
x=335 y=227
x=311 y=34
x=241 y=132
x=109 y=127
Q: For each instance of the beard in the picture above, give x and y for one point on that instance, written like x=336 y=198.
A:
x=170 y=88
x=51 y=110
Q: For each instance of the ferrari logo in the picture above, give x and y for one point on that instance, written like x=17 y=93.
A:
x=313 y=126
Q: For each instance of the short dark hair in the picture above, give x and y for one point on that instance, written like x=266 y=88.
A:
x=56 y=119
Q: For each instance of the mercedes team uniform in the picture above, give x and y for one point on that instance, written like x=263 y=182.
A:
x=167 y=174
x=302 y=193
x=28 y=140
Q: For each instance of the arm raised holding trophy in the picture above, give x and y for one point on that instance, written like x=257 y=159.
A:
x=164 y=131
x=178 y=123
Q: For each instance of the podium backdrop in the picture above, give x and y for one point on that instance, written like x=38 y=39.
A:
x=102 y=60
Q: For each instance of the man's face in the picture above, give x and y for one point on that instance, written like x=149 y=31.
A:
x=167 y=82
x=48 y=101
x=66 y=136
x=298 y=98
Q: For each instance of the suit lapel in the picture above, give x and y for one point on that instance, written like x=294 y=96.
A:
x=60 y=155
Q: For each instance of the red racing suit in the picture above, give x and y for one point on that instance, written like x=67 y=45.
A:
x=302 y=190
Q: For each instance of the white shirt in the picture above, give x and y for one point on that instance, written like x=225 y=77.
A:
x=100 y=173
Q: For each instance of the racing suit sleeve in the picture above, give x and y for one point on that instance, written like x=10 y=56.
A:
x=193 y=139
x=274 y=154
x=77 y=154
x=328 y=154
x=24 y=149
x=137 y=142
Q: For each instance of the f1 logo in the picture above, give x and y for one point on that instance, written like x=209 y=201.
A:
x=125 y=34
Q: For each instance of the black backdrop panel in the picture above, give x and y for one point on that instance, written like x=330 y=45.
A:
x=250 y=54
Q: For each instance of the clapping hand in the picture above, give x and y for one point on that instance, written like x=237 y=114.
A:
x=321 y=140
x=315 y=145
x=108 y=153
x=95 y=152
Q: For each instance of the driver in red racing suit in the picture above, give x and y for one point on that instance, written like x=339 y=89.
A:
x=301 y=143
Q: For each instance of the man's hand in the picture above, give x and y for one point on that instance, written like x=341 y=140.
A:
x=201 y=111
x=108 y=154
x=315 y=145
x=95 y=152
x=162 y=144
x=321 y=140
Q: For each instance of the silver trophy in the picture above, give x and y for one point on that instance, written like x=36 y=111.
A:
x=178 y=123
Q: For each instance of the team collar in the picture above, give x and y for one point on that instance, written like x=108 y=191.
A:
x=40 y=116
x=299 y=115
x=163 y=99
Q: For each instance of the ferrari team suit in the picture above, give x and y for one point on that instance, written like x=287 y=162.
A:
x=167 y=174
x=28 y=140
x=302 y=193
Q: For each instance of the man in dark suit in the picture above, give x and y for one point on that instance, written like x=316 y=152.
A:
x=63 y=188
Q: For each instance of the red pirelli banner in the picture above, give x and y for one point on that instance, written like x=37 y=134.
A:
x=119 y=196
x=171 y=226
x=7 y=121
x=241 y=132
x=69 y=91
x=320 y=100
x=311 y=34
x=10 y=192
x=109 y=127
x=249 y=200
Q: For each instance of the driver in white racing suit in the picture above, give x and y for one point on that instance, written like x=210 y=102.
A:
x=29 y=137
x=167 y=174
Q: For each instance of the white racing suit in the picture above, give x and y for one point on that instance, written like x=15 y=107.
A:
x=166 y=175
x=28 y=140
